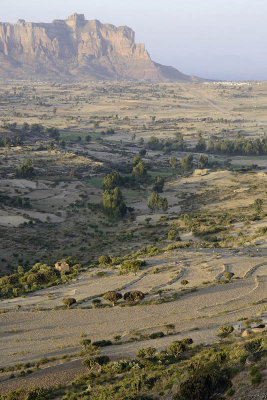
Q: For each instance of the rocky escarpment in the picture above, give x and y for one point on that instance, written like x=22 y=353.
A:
x=77 y=49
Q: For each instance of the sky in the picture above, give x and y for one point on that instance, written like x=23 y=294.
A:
x=216 y=39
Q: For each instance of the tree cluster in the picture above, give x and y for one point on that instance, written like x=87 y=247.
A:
x=167 y=145
x=38 y=277
x=243 y=146
x=156 y=202
x=25 y=170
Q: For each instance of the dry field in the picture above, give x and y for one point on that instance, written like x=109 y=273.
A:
x=63 y=220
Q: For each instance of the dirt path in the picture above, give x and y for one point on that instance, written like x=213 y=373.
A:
x=200 y=94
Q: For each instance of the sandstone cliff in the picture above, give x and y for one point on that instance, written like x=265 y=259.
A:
x=76 y=49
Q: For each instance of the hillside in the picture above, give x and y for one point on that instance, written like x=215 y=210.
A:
x=77 y=49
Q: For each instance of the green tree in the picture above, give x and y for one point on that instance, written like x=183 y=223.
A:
x=53 y=133
x=113 y=297
x=136 y=160
x=173 y=162
x=169 y=328
x=187 y=162
x=133 y=296
x=201 y=144
x=140 y=171
x=69 y=301
x=25 y=127
x=154 y=143
x=203 y=162
x=157 y=202
x=158 y=185
x=111 y=180
x=25 y=170
x=113 y=203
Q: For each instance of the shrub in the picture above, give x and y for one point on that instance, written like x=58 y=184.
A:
x=69 y=301
x=156 y=335
x=257 y=205
x=187 y=341
x=142 y=152
x=169 y=327
x=38 y=394
x=253 y=346
x=131 y=266
x=173 y=235
x=113 y=297
x=25 y=170
x=230 y=392
x=228 y=275
x=85 y=343
x=254 y=373
x=184 y=282
x=96 y=303
x=102 y=343
x=104 y=259
x=148 y=352
x=202 y=386
x=133 y=296
x=176 y=348
x=96 y=362
x=225 y=331
x=173 y=162
x=255 y=379
x=243 y=358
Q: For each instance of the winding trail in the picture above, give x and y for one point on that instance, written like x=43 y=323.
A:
x=226 y=268
x=254 y=269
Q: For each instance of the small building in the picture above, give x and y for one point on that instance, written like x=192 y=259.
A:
x=62 y=266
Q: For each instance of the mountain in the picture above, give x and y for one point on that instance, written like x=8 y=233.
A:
x=77 y=49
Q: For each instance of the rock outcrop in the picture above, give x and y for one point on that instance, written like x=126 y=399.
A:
x=77 y=49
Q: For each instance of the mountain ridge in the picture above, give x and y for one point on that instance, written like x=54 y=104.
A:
x=76 y=49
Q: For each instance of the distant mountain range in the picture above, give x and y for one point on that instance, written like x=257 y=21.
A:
x=77 y=49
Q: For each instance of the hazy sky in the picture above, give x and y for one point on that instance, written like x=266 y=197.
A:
x=223 y=39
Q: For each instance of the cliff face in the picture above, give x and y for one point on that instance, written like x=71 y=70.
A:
x=75 y=49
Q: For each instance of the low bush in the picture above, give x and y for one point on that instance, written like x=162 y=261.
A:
x=133 y=296
x=156 y=335
x=69 y=301
x=131 y=266
x=102 y=343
